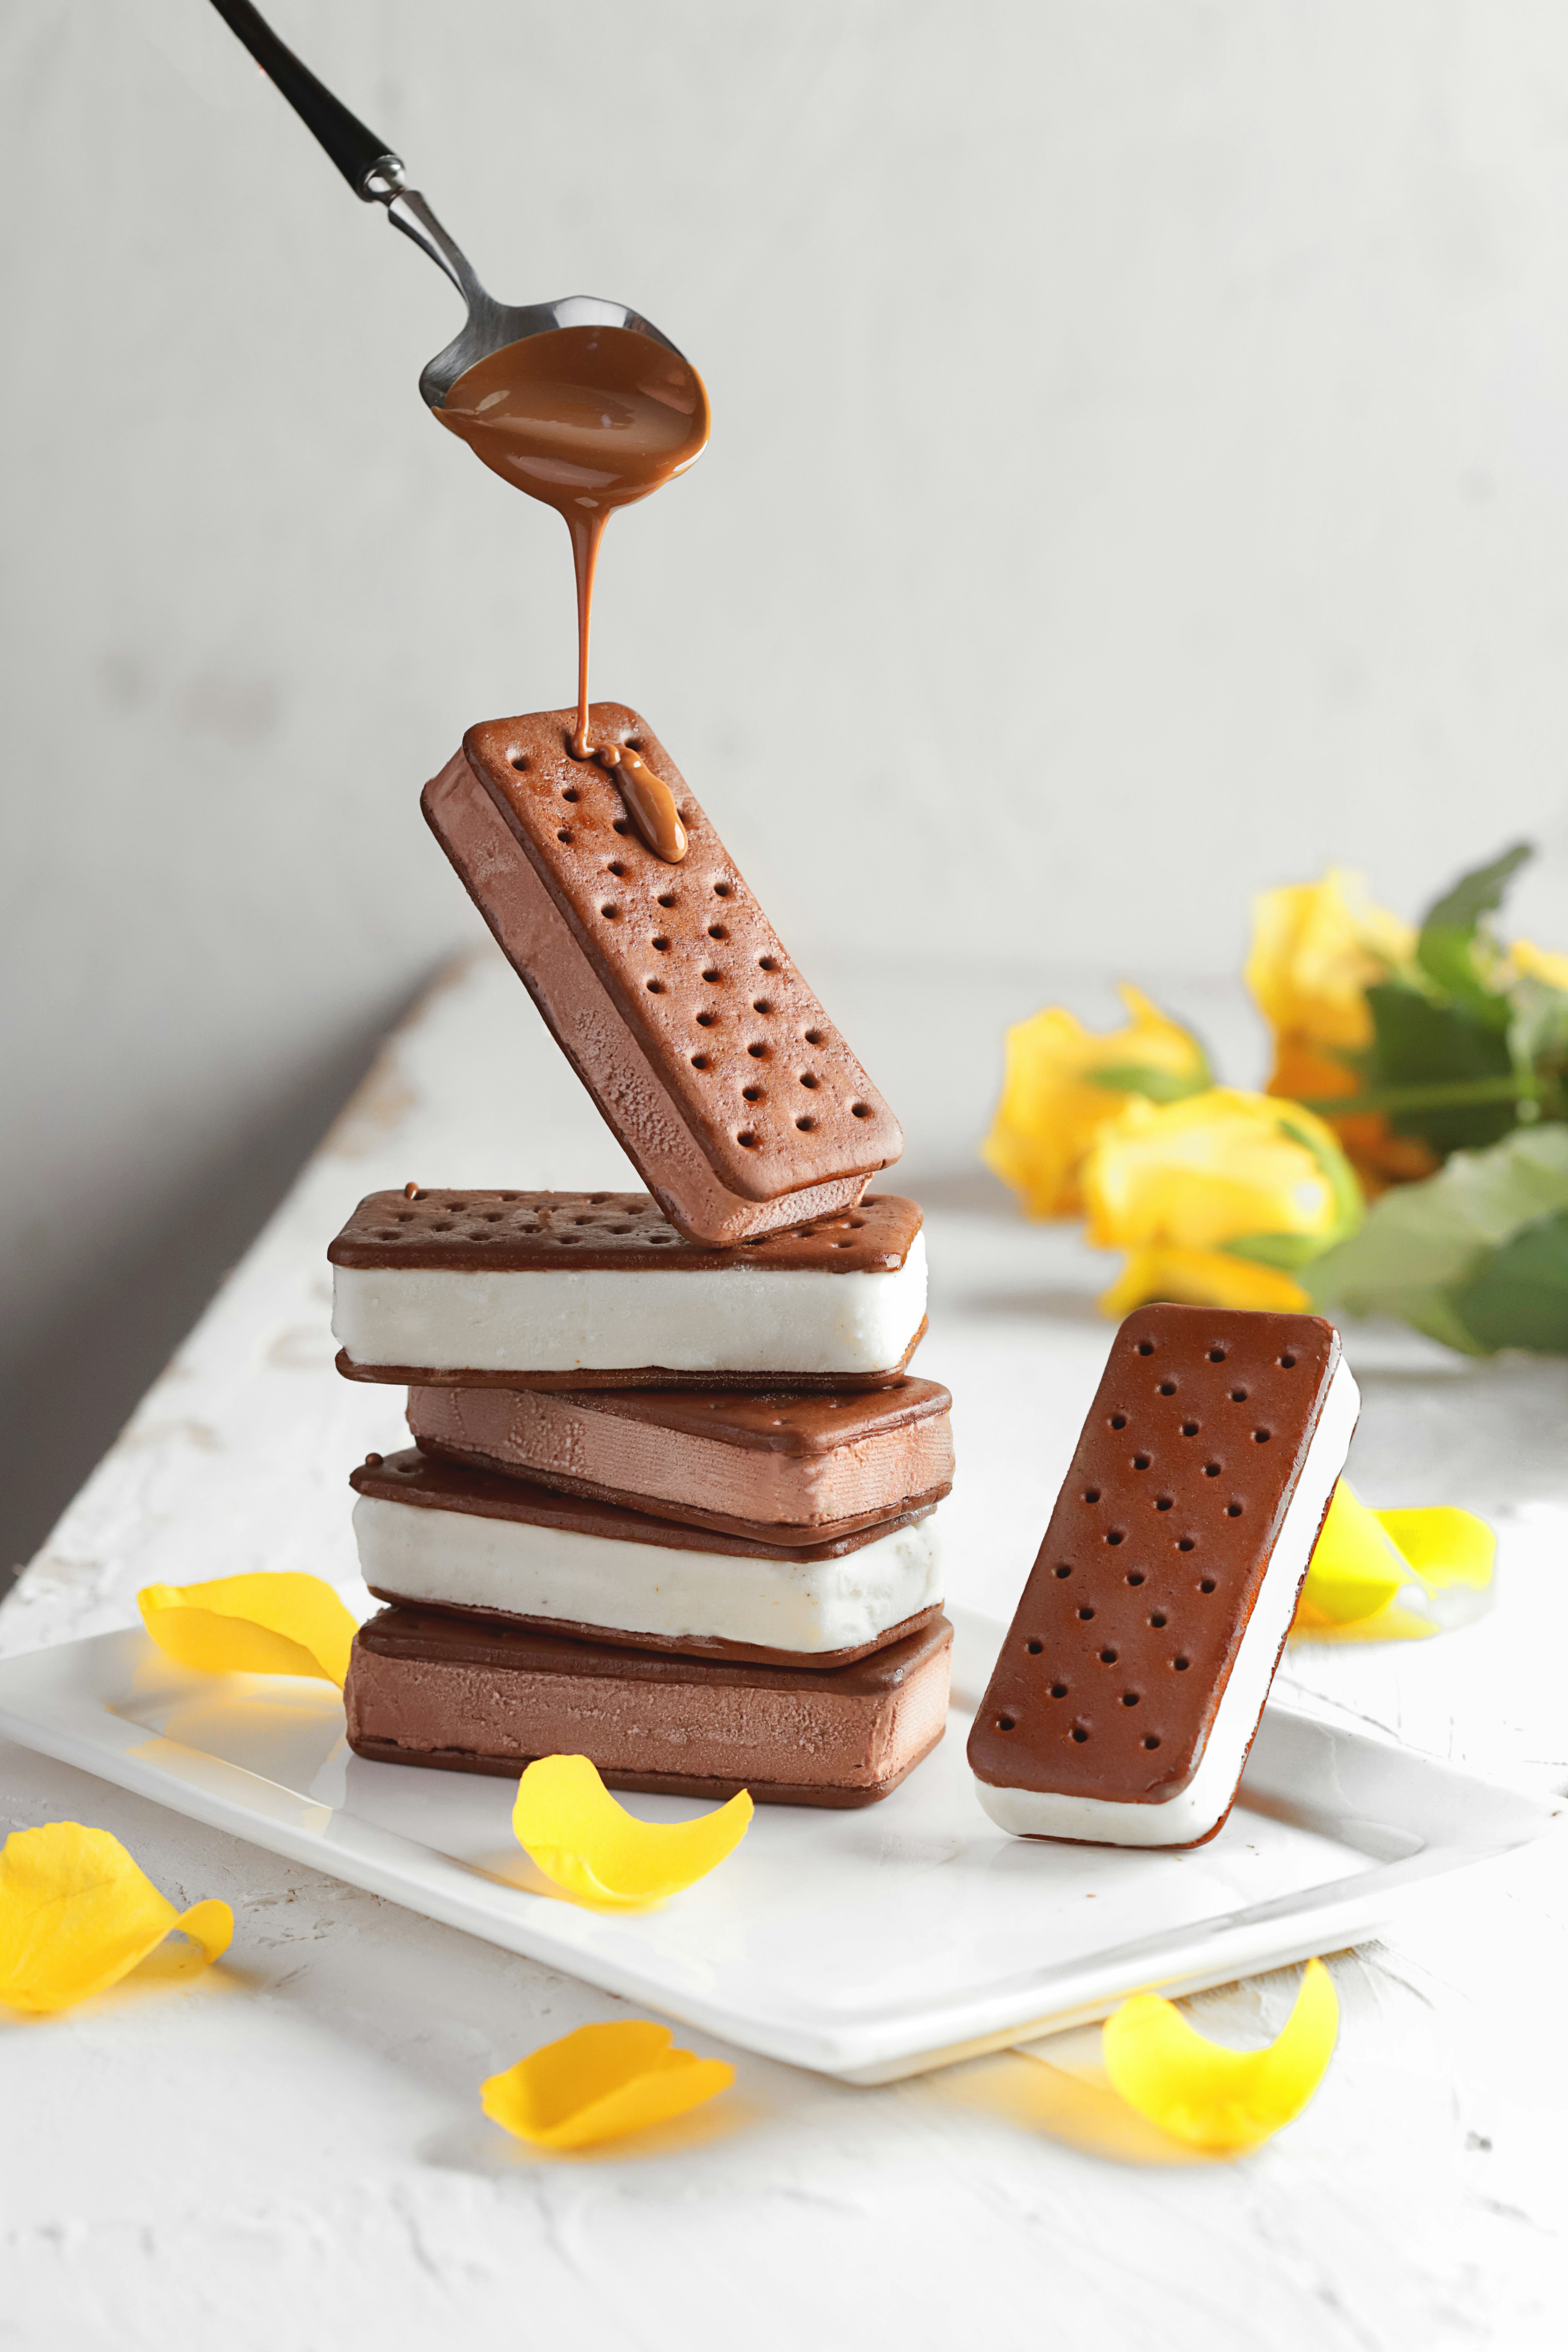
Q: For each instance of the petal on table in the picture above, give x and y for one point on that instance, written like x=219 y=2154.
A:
x=77 y=1915
x=262 y=1624
x=579 y=1836
x=600 y=2083
x=1222 y=2100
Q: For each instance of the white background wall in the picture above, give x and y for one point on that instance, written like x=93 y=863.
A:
x=1140 y=474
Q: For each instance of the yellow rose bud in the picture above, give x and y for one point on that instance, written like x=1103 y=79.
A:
x=1217 y=1199
x=1056 y=1094
x=1316 y=947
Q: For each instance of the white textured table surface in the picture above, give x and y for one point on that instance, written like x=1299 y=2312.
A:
x=290 y=2147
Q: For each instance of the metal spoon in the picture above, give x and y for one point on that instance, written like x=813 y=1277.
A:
x=377 y=176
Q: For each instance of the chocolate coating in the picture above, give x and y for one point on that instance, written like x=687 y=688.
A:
x=1124 y=1638
x=615 y=1232
x=416 y=1479
x=721 y=1028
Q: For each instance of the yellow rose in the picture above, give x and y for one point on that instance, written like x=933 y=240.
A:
x=1316 y=947
x=1054 y=1097
x=1216 y=1199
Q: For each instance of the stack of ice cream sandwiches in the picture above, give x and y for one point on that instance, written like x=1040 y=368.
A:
x=672 y=1498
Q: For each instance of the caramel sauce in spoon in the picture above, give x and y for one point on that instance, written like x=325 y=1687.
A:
x=587 y=419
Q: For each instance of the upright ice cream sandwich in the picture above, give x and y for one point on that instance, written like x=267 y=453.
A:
x=575 y=1290
x=470 y=1696
x=1132 y=1682
x=461 y=1540
x=665 y=984
x=793 y=1469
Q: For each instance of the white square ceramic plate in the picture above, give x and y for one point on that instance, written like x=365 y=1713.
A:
x=866 y=1944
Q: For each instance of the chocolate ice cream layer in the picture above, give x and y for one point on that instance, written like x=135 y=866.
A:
x=433 y=1690
x=778 y=1467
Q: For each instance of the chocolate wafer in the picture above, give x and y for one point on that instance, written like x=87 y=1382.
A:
x=665 y=985
x=439 y=1537
x=468 y=1696
x=1132 y=1682
x=572 y=1290
x=787 y=1469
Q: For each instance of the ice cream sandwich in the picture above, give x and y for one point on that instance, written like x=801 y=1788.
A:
x=793 y=1469
x=572 y=1290
x=665 y=984
x=472 y=1696
x=439 y=1537
x=1134 y=1674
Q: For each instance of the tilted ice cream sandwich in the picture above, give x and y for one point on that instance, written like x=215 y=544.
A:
x=461 y=1540
x=477 y=1697
x=572 y=1290
x=731 y=1090
x=793 y=1469
x=1133 y=1679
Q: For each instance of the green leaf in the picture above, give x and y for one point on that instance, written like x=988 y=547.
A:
x=1423 y=1243
x=1160 y=1086
x=1454 y=948
x=1418 y=1042
x=1538 y=1030
x=1289 y=1251
x=1478 y=893
x=1518 y=1296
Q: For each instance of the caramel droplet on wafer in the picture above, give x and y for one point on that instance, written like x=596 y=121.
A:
x=649 y=802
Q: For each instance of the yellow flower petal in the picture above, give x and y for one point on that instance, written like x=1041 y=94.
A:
x=1540 y=964
x=579 y=1836
x=264 y=1624
x=1217 y=1167
x=1316 y=947
x=1356 y=1569
x=1201 y=1278
x=1051 y=1106
x=1381 y=1576
x=1223 y=2100
x=1443 y=1546
x=600 y=2083
x=77 y=1915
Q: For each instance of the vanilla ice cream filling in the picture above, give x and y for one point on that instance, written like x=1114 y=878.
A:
x=814 y=1607
x=741 y=1319
x=1190 y=1812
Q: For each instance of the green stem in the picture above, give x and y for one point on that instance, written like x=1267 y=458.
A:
x=1443 y=1094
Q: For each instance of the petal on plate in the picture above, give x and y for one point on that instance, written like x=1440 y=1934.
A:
x=261 y=1624
x=77 y=1915
x=600 y=2083
x=1357 y=1567
x=579 y=1836
x=1222 y=2100
x=1388 y=1576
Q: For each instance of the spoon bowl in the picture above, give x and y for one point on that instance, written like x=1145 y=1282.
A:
x=378 y=177
x=491 y=326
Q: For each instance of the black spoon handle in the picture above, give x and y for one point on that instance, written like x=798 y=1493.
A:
x=359 y=155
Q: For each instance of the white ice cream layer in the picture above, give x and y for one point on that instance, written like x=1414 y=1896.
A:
x=814 y=1606
x=1191 y=1813
x=740 y=1319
